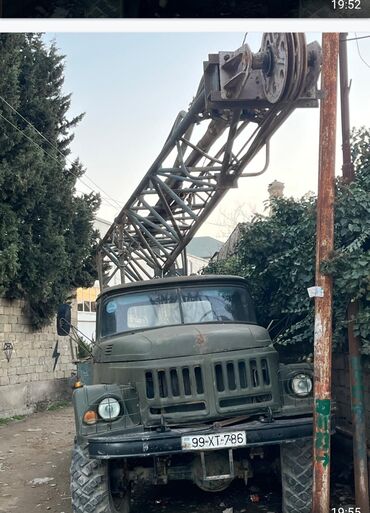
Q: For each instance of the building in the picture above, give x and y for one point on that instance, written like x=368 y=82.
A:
x=229 y=248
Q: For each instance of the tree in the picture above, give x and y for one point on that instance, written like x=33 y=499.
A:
x=46 y=231
x=276 y=255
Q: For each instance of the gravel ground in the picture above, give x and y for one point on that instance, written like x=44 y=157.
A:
x=34 y=476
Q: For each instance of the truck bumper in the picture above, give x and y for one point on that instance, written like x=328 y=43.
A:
x=154 y=443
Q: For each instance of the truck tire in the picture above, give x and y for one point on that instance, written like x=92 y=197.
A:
x=296 y=476
x=90 y=486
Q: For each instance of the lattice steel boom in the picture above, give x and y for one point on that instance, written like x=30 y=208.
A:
x=242 y=100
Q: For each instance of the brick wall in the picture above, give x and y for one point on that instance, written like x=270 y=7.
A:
x=342 y=395
x=28 y=379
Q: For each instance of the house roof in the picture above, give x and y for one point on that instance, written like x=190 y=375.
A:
x=203 y=247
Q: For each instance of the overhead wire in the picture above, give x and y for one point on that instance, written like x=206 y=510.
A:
x=355 y=38
x=51 y=156
x=117 y=204
x=359 y=53
x=62 y=154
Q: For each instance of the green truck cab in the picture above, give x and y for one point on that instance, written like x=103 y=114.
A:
x=187 y=385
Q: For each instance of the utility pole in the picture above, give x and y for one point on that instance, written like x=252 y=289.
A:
x=355 y=364
x=324 y=285
x=347 y=168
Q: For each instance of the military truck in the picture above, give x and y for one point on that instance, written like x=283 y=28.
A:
x=186 y=386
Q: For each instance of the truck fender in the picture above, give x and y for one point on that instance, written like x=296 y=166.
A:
x=88 y=397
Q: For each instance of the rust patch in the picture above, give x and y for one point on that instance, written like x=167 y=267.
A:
x=201 y=343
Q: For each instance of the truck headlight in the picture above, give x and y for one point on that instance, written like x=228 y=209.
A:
x=109 y=408
x=301 y=385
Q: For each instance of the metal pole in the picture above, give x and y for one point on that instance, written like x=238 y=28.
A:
x=355 y=364
x=358 y=416
x=347 y=168
x=323 y=300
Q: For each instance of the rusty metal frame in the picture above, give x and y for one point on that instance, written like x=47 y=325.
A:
x=192 y=174
x=324 y=300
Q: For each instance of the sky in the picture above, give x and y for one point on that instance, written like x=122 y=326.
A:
x=131 y=87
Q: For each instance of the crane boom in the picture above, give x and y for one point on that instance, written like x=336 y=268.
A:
x=243 y=98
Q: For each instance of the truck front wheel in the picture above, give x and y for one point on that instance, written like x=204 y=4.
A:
x=296 y=476
x=95 y=487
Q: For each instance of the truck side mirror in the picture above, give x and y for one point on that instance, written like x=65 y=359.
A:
x=64 y=320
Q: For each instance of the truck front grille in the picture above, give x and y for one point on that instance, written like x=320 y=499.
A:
x=215 y=386
x=242 y=382
x=242 y=374
x=181 y=382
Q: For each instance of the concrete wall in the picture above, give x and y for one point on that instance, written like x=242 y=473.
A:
x=342 y=394
x=28 y=379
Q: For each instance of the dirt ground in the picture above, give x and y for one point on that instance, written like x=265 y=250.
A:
x=36 y=447
x=34 y=476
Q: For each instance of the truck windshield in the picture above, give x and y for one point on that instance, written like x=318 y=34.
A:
x=169 y=307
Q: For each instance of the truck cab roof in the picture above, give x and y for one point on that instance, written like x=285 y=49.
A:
x=174 y=281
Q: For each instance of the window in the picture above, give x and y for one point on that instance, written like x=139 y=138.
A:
x=145 y=316
x=187 y=305
x=86 y=299
x=139 y=311
x=216 y=304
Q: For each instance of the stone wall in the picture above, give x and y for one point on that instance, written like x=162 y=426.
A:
x=342 y=395
x=29 y=378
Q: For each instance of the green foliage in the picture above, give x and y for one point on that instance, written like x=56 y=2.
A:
x=276 y=255
x=46 y=231
x=58 y=405
x=6 y=420
x=83 y=349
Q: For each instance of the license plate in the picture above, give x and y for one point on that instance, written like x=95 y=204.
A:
x=214 y=441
